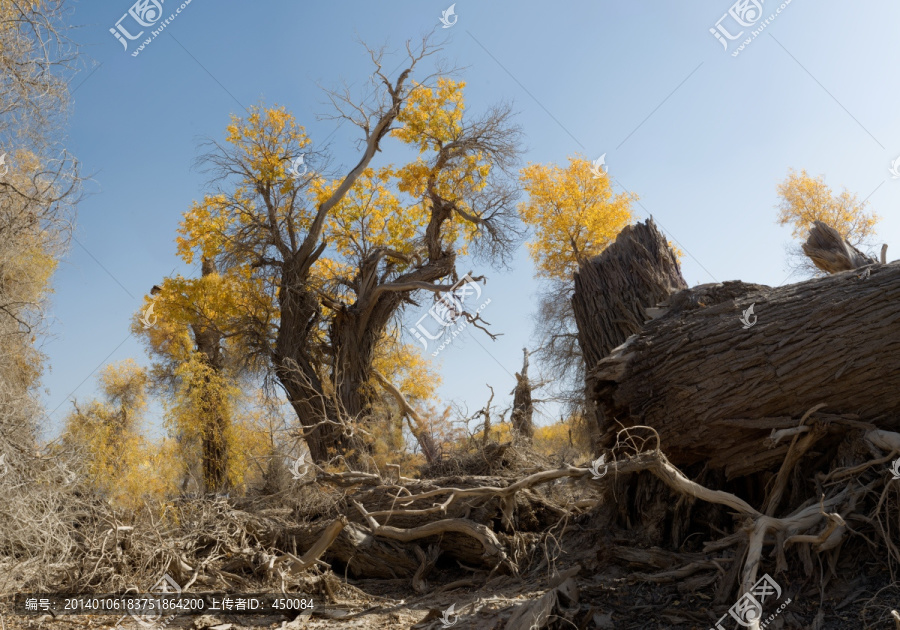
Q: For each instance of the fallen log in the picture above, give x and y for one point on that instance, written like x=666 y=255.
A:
x=724 y=364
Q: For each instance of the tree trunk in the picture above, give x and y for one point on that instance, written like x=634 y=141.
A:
x=323 y=428
x=354 y=334
x=523 y=407
x=612 y=294
x=214 y=456
x=613 y=290
x=830 y=252
x=725 y=364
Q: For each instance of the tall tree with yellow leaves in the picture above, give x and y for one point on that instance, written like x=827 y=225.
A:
x=574 y=215
x=199 y=365
x=333 y=261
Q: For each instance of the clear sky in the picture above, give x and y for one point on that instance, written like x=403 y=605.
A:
x=703 y=137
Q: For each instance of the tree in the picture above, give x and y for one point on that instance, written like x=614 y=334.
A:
x=803 y=200
x=38 y=187
x=574 y=215
x=335 y=261
x=120 y=463
x=523 y=403
x=200 y=367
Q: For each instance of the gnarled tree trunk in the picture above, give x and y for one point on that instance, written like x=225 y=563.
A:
x=612 y=294
x=613 y=290
x=523 y=407
x=830 y=252
x=725 y=364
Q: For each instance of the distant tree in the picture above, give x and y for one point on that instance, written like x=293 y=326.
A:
x=202 y=371
x=804 y=199
x=573 y=213
x=107 y=433
x=567 y=439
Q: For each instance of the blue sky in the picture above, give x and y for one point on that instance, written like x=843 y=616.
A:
x=701 y=136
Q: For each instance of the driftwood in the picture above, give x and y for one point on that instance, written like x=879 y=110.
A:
x=715 y=369
x=831 y=252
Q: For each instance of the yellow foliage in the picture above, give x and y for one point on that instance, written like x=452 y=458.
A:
x=265 y=141
x=263 y=136
x=565 y=439
x=370 y=216
x=499 y=433
x=120 y=463
x=389 y=446
x=430 y=119
x=209 y=301
x=805 y=199
x=574 y=215
x=406 y=368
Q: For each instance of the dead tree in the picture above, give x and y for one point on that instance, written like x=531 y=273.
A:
x=486 y=412
x=831 y=252
x=417 y=424
x=720 y=366
x=523 y=406
x=613 y=290
x=612 y=294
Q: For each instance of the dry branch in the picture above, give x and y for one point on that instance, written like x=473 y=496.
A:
x=294 y=565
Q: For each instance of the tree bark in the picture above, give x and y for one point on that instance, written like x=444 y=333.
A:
x=830 y=252
x=714 y=378
x=295 y=366
x=613 y=292
x=523 y=407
